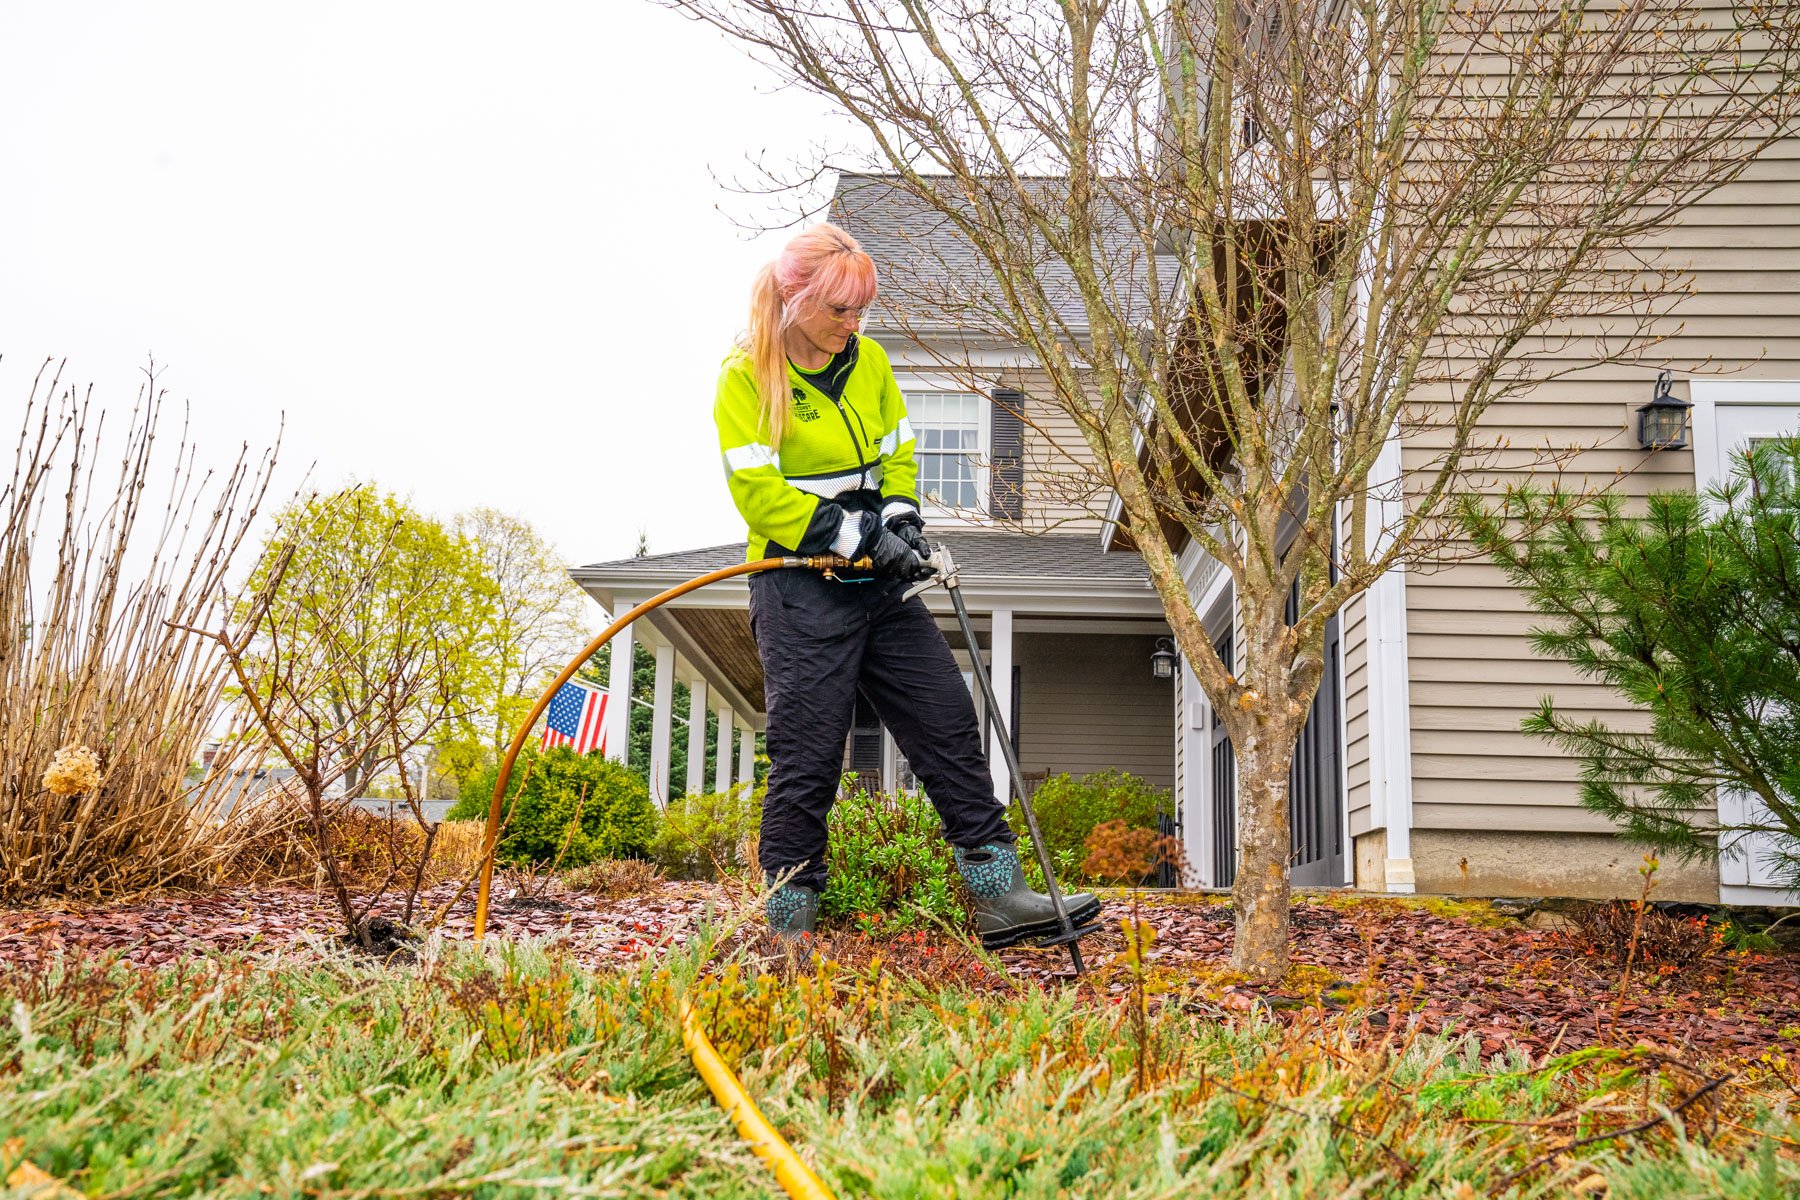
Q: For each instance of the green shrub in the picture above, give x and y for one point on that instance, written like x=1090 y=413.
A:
x=1069 y=809
x=706 y=837
x=545 y=794
x=889 y=863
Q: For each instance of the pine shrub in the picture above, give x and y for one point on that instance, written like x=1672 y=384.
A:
x=1690 y=612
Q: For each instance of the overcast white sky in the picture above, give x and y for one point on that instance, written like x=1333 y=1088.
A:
x=475 y=252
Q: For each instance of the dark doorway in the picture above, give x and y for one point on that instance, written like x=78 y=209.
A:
x=1315 y=781
x=1224 y=787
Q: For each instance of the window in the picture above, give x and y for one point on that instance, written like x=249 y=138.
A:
x=948 y=428
x=1757 y=443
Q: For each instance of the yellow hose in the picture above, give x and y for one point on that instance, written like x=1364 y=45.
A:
x=795 y=1177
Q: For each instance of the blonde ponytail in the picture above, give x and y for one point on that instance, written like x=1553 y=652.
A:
x=766 y=344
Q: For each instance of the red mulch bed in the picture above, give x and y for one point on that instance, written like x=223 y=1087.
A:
x=1509 y=986
x=154 y=932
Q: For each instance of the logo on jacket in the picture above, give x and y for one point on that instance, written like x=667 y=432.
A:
x=803 y=408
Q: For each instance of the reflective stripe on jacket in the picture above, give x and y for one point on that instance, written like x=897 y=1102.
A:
x=839 y=459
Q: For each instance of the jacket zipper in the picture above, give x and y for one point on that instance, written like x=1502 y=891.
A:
x=862 y=465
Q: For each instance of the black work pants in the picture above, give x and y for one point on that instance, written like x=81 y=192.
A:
x=820 y=641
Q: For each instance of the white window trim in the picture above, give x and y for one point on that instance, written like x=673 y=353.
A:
x=1708 y=395
x=937 y=514
x=1217 y=606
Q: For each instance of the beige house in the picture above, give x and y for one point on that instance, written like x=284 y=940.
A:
x=1444 y=793
x=1412 y=773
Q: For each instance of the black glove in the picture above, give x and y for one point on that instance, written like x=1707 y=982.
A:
x=909 y=527
x=887 y=550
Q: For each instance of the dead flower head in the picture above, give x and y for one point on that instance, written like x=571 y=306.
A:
x=72 y=771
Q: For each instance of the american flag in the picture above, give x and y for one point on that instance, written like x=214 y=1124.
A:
x=576 y=717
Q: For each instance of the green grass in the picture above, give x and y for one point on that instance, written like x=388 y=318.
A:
x=513 y=1074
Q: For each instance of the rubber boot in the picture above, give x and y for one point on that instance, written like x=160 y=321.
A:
x=1007 y=911
x=792 y=910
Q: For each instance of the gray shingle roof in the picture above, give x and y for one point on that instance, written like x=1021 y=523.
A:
x=933 y=279
x=981 y=555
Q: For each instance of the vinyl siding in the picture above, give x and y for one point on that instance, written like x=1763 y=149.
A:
x=1473 y=673
x=1088 y=702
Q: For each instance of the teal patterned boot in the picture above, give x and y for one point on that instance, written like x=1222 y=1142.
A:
x=792 y=909
x=1007 y=911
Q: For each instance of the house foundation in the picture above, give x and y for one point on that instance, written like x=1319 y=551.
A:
x=1586 y=866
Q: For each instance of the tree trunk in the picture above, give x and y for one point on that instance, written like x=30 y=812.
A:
x=1265 y=731
x=1259 y=896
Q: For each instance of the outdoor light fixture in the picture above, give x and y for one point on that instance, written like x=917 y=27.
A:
x=1162 y=661
x=1662 y=423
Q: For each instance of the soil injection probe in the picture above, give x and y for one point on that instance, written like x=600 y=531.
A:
x=947 y=578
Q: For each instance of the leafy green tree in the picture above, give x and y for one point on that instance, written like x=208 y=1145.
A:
x=1691 y=612
x=382 y=610
x=354 y=644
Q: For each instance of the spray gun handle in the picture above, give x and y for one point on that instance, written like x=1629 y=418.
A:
x=943 y=571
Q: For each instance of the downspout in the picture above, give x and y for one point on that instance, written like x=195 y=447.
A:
x=1384 y=633
x=1390 y=687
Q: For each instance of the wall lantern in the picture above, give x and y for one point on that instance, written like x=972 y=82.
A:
x=1162 y=661
x=1662 y=423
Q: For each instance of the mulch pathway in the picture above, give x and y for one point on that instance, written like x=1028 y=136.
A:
x=1508 y=985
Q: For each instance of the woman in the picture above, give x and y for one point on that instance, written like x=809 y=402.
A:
x=819 y=457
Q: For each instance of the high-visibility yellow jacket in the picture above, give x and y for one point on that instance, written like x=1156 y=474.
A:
x=840 y=458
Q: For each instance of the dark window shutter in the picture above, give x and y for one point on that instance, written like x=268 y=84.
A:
x=1006 y=455
x=865 y=738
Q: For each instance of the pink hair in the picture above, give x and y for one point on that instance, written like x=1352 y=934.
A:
x=821 y=266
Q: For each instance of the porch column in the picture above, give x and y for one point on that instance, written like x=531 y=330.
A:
x=661 y=712
x=696 y=772
x=618 y=699
x=722 y=771
x=747 y=755
x=1000 y=670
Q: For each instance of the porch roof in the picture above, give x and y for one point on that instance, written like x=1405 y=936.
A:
x=985 y=557
x=1045 y=575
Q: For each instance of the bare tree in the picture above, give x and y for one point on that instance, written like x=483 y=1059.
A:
x=350 y=651
x=1255 y=243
